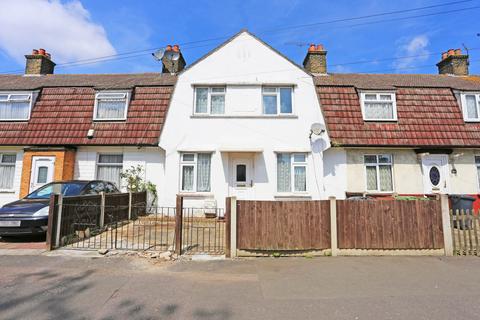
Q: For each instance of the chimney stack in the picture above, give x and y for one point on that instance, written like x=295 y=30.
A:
x=453 y=63
x=39 y=63
x=170 y=65
x=316 y=59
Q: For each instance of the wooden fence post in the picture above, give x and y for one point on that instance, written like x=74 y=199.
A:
x=129 y=205
x=227 y=226
x=52 y=215
x=233 y=227
x=102 y=209
x=178 y=225
x=59 y=220
x=447 y=228
x=333 y=226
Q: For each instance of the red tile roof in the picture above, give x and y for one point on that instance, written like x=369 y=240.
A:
x=428 y=112
x=63 y=115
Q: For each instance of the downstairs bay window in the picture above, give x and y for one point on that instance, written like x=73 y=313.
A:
x=7 y=171
x=291 y=172
x=109 y=168
x=195 y=172
x=378 y=170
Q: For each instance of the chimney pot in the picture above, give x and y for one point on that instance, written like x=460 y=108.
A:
x=176 y=48
x=173 y=66
x=454 y=63
x=41 y=51
x=169 y=47
x=34 y=51
x=316 y=59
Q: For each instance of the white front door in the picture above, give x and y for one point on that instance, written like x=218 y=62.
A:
x=42 y=171
x=435 y=173
x=241 y=184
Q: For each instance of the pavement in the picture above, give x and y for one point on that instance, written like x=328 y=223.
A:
x=118 y=287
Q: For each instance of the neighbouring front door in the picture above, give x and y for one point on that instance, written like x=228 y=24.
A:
x=42 y=171
x=435 y=173
x=242 y=178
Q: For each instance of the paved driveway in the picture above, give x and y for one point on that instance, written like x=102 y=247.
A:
x=290 y=288
x=26 y=242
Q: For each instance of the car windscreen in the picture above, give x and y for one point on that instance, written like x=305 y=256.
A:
x=66 y=189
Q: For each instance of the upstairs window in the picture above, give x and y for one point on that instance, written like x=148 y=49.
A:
x=195 y=171
x=379 y=173
x=15 y=106
x=111 y=106
x=7 y=170
x=210 y=100
x=471 y=107
x=291 y=167
x=379 y=106
x=109 y=168
x=277 y=100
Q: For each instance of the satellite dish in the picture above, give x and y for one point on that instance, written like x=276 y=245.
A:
x=158 y=55
x=172 y=55
x=317 y=128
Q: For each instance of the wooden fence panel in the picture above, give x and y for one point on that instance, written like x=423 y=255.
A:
x=283 y=225
x=465 y=232
x=389 y=224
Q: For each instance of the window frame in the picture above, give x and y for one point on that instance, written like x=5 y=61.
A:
x=377 y=169
x=278 y=96
x=293 y=164
x=14 y=165
x=463 y=99
x=210 y=93
x=101 y=164
x=393 y=97
x=193 y=164
x=32 y=97
x=477 y=166
x=125 y=110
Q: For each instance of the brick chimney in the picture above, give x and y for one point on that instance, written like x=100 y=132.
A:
x=39 y=62
x=316 y=59
x=454 y=63
x=170 y=65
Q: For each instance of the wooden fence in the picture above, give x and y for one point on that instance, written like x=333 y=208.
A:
x=283 y=225
x=465 y=232
x=389 y=224
x=73 y=218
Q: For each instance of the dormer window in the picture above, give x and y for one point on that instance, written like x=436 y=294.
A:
x=210 y=100
x=471 y=107
x=15 y=106
x=277 y=100
x=111 y=106
x=379 y=106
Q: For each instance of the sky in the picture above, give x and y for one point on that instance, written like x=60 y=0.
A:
x=123 y=33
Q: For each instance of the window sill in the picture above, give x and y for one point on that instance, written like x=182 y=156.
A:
x=14 y=120
x=274 y=116
x=472 y=120
x=380 y=120
x=7 y=191
x=109 y=120
x=292 y=195
x=196 y=194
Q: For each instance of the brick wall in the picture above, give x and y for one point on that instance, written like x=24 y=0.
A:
x=64 y=166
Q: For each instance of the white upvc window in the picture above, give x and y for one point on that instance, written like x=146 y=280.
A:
x=471 y=107
x=210 y=100
x=195 y=171
x=7 y=170
x=15 y=106
x=378 y=106
x=477 y=164
x=291 y=167
x=378 y=172
x=277 y=100
x=111 y=106
x=109 y=168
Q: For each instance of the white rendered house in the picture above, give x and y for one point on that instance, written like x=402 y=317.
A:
x=239 y=124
